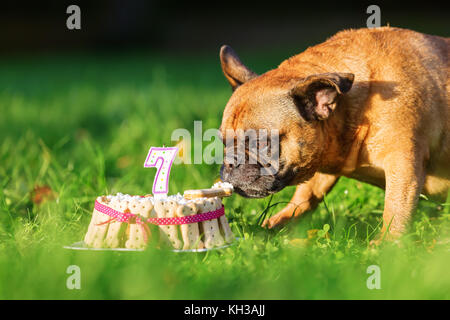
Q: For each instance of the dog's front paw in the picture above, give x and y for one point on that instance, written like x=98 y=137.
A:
x=385 y=237
x=375 y=243
x=276 y=221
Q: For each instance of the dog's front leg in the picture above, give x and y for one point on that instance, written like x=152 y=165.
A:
x=405 y=175
x=306 y=197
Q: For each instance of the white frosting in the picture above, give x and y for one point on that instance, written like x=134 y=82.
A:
x=222 y=185
x=175 y=197
x=178 y=198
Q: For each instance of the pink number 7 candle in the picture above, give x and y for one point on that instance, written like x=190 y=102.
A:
x=161 y=158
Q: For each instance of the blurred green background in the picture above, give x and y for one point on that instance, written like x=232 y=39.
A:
x=80 y=111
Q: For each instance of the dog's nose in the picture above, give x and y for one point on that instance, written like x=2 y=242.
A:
x=228 y=166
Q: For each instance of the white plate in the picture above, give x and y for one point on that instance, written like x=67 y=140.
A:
x=80 y=245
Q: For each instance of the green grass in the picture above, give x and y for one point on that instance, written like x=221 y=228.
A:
x=83 y=124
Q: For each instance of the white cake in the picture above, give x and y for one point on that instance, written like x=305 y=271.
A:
x=124 y=221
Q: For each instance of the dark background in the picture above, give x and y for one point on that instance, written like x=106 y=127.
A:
x=115 y=25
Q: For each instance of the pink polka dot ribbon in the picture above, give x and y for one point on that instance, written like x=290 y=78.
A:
x=128 y=217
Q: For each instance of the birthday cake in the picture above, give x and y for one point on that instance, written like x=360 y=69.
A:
x=195 y=220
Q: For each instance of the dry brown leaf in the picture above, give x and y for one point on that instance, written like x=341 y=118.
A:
x=299 y=242
x=40 y=194
x=312 y=233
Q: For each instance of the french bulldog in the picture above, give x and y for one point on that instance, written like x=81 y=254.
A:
x=369 y=104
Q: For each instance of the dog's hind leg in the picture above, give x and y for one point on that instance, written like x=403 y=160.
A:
x=306 y=197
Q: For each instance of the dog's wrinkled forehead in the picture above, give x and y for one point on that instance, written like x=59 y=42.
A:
x=261 y=103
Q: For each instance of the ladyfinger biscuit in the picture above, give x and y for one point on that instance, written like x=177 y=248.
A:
x=113 y=236
x=90 y=234
x=208 y=193
x=190 y=232
x=210 y=228
x=97 y=228
x=169 y=233
x=138 y=236
x=223 y=223
x=88 y=237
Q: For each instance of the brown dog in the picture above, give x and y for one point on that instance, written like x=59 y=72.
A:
x=370 y=104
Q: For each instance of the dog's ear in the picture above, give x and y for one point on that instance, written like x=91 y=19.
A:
x=234 y=70
x=316 y=96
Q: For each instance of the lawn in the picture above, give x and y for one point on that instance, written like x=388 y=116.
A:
x=73 y=127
